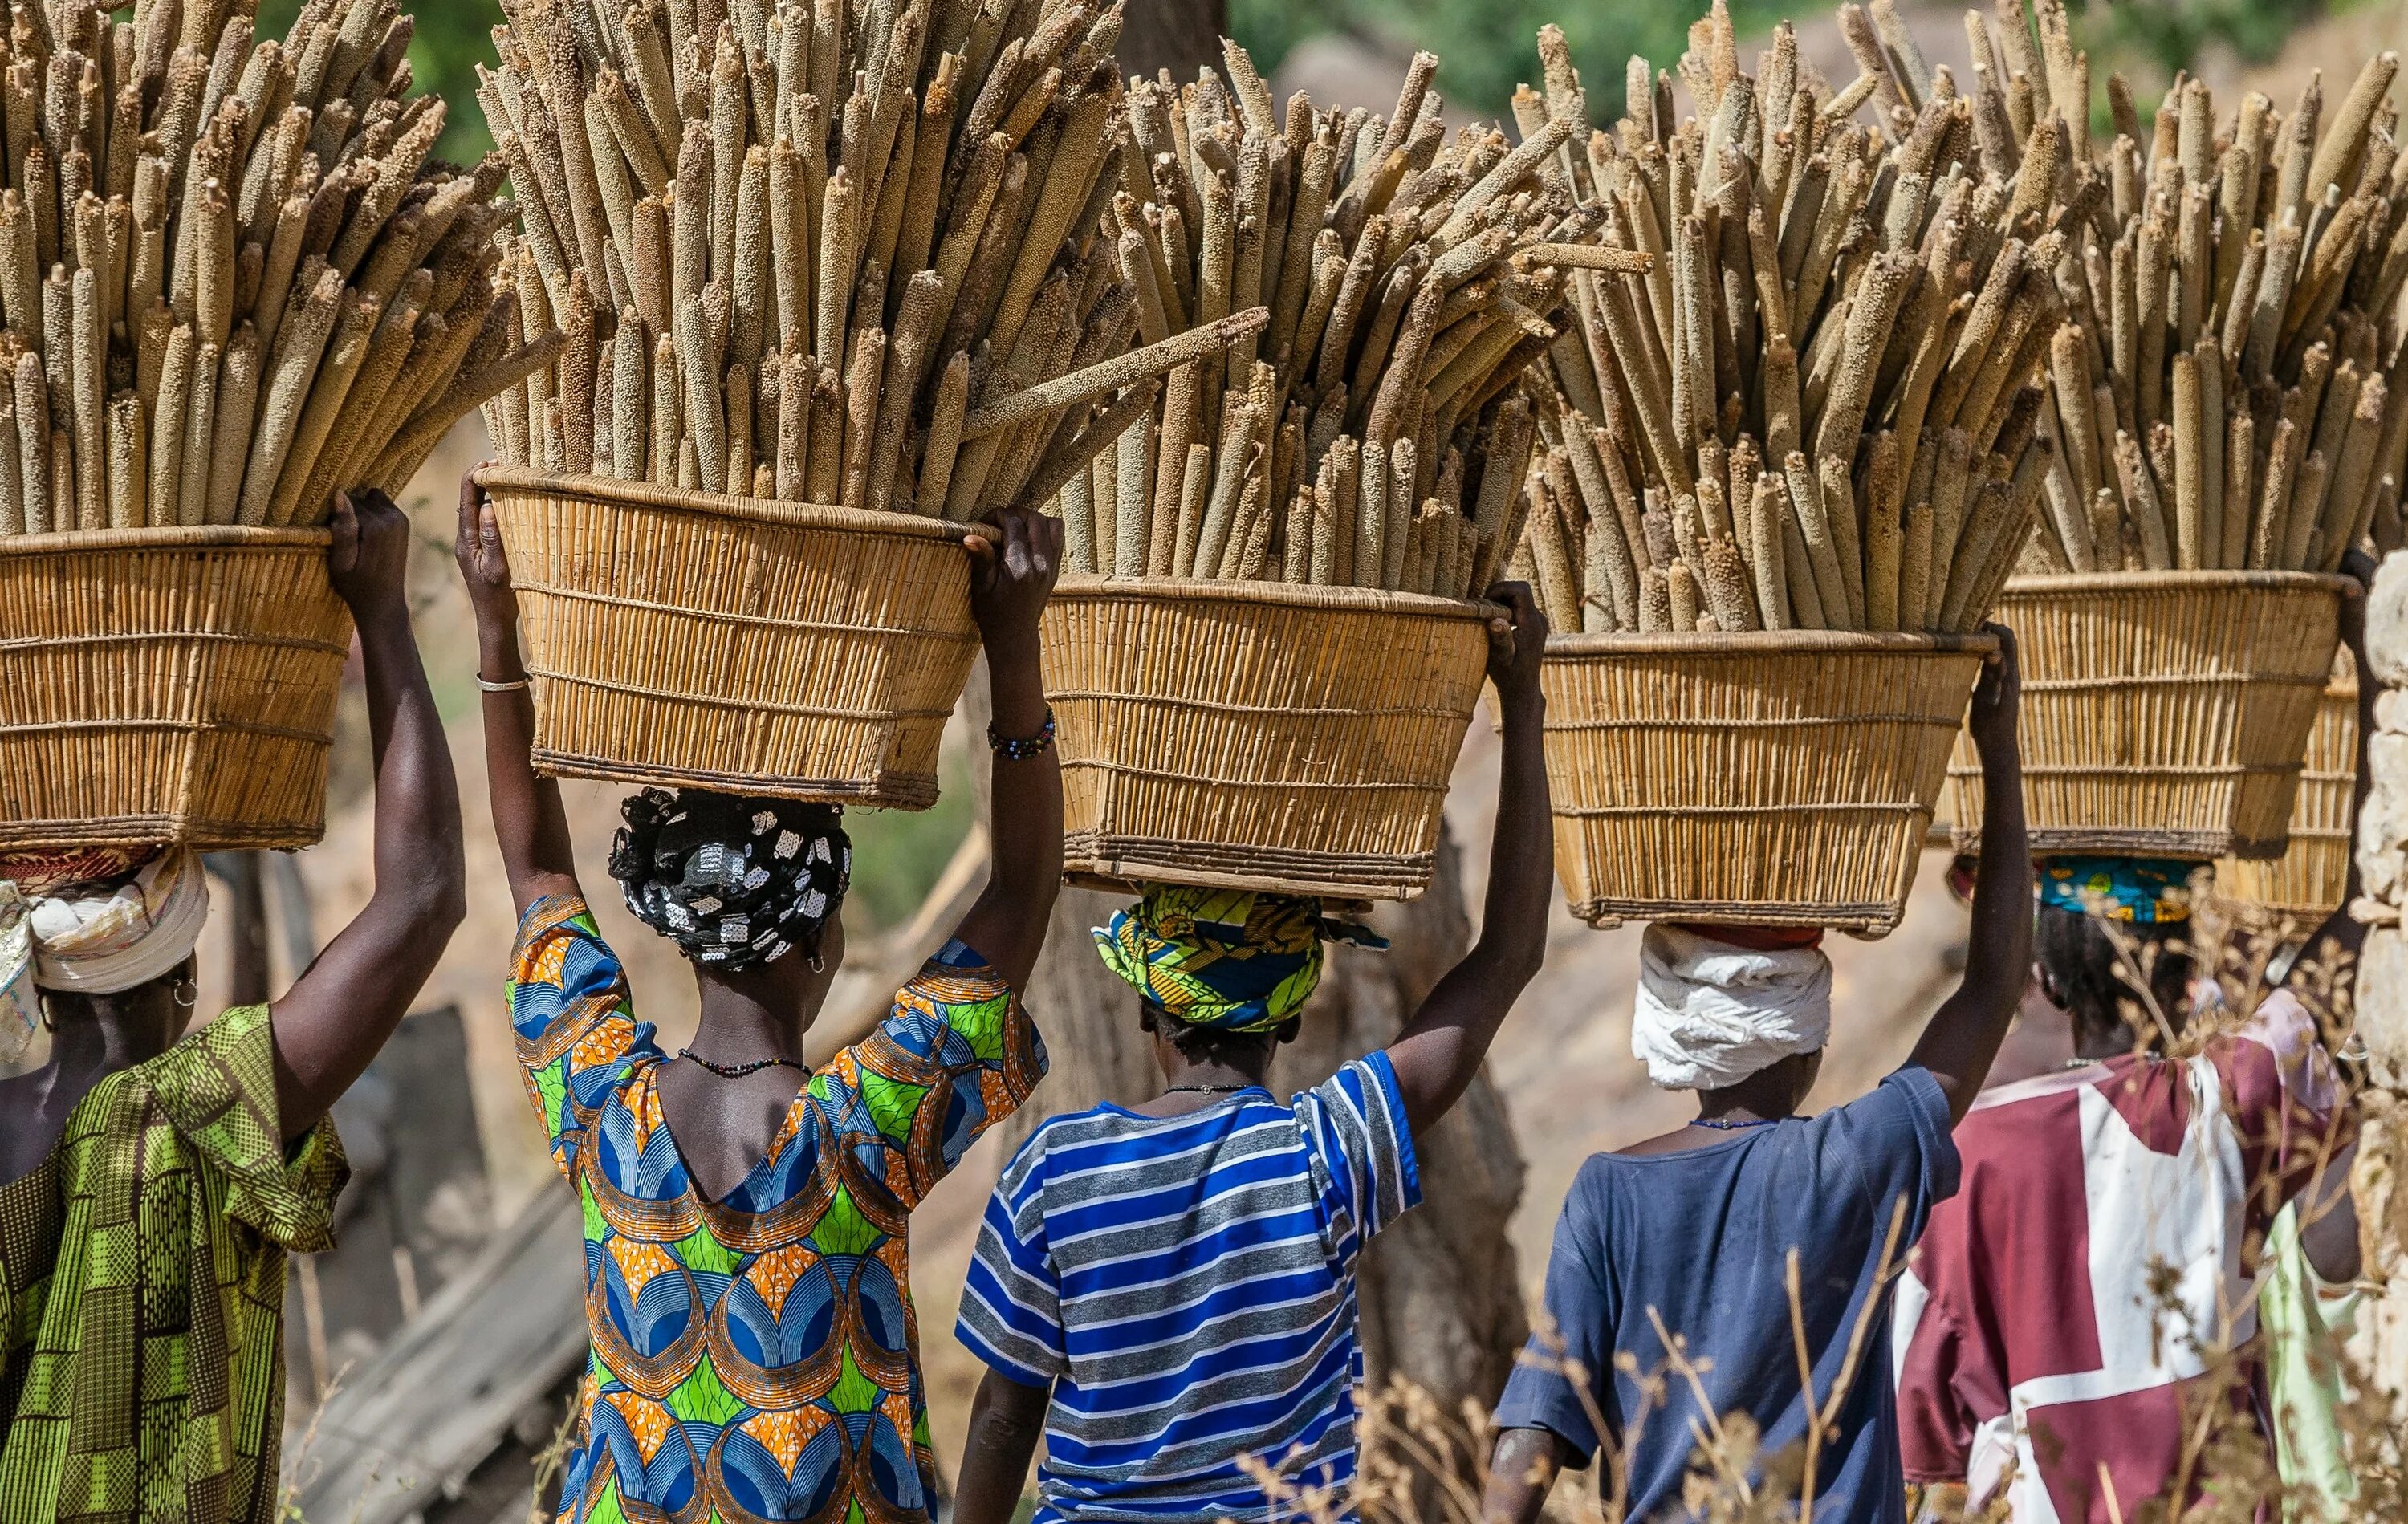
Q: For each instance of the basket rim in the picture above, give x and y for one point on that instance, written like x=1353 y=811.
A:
x=1760 y=643
x=1272 y=595
x=2200 y=581
x=645 y=494
x=171 y=537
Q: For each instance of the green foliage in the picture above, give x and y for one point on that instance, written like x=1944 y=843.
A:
x=2154 y=38
x=450 y=40
x=898 y=854
x=1487 y=47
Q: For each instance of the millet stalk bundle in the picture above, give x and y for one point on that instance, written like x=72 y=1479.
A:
x=1374 y=433
x=212 y=251
x=2226 y=378
x=1802 y=385
x=817 y=252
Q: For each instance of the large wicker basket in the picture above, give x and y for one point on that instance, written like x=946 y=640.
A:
x=1258 y=736
x=2309 y=880
x=166 y=685
x=680 y=638
x=1766 y=779
x=2164 y=713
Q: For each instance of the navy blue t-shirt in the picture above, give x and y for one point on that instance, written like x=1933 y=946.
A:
x=1702 y=1238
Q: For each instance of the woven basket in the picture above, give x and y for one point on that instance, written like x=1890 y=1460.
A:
x=2308 y=881
x=797 y=650
x=1258 y=736
x=1767 y=778
x=2164 y=713
x=166 y=685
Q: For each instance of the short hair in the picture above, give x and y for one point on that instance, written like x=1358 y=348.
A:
x=2082 y=961
x=1210 y=1044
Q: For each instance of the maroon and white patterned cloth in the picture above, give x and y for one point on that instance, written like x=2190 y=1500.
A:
x=2106 y=1230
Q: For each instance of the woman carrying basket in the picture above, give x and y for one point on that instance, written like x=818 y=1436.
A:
x=154 y=1181
x=1754 y=1241
x=747 y=1281
x=1167 y=1292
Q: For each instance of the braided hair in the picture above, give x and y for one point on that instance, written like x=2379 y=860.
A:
x=735 y=883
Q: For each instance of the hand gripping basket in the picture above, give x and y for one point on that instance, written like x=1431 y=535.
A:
x=2164 y=713
x=166 y=685
x=1771 y=778
x=1258 y=736
x=687 y=639
x=2308 y=882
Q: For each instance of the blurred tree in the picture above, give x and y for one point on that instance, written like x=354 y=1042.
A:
x=450 y=40
x=1156 y=34
x=1487 y=47
x=2151 y=40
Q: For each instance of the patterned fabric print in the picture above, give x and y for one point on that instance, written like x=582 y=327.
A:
x=1223 y=958
x=757 y=1359
x=142 y=1290
x=2144 y=889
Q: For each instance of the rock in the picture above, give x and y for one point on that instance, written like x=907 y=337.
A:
x=2383 y=1004
x=2386 y=621
x=2391 y=711
x=2383 y=828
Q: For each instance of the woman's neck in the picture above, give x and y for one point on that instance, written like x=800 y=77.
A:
x=738 y=1023
x=104 y=1036
x=1214 y=1076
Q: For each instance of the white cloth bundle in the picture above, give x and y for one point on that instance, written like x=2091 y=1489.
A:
x=1710 y=1014
x=96 y=941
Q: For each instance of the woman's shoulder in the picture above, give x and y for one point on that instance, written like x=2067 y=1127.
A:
x=955 y=974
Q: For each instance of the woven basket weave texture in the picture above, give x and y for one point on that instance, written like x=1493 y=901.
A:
x=2165 y=714
x=797 y=650
x=2307 y=882
x=1768 y=778
x=167 y=685
x=1258 y=736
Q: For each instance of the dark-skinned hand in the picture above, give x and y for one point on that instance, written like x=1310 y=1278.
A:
x=369 y=561
x=1998 y=693
x=484 y=566
x=1012 y=578
x=1516 y=640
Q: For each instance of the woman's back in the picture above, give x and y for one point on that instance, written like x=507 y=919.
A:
x=755 y=1353
x=1186 y=1285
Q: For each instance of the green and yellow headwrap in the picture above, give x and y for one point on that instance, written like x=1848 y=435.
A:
x=1223 y=958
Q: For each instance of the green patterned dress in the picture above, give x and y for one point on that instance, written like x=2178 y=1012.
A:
x=142 y=1291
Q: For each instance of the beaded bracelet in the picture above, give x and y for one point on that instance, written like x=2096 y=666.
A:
x=1024 y=750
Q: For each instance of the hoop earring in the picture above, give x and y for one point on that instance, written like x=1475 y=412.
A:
x=817 y=967
x=186 y=994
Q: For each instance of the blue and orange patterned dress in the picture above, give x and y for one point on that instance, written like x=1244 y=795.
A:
x=757 y=1357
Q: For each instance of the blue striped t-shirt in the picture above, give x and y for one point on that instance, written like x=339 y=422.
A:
x=1186 y=1286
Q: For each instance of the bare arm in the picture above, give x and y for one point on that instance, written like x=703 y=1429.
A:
x=1519 y=1475
x=1008 y=585
x=339 y=1013
x=1443 y=1046
x=1964 y=1036
x=1007 y=1419
x=528 y=819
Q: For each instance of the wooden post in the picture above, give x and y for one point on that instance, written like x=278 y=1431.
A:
x=247 y=976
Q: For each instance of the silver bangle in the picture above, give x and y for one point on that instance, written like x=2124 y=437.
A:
x=517 y=685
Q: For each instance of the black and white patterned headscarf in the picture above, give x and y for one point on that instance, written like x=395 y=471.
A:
x=735 y=882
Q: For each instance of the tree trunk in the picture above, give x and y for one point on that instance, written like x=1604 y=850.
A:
x=1181 y=35
x=1440 y=1290
x=247 y=972
x=1088 y=1014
